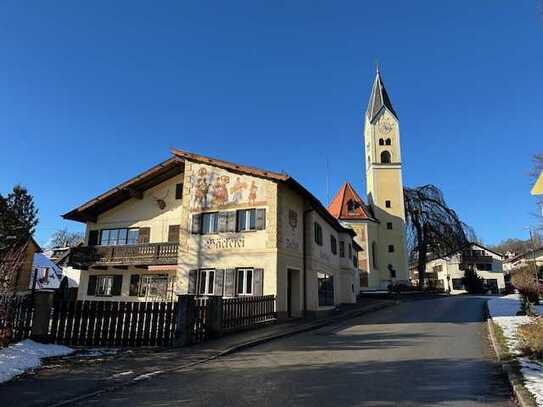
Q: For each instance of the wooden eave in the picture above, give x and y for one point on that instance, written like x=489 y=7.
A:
x=133 y=188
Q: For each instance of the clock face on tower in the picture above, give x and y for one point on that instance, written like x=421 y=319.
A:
x=386 y=125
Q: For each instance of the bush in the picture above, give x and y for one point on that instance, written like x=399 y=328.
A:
x=531 y=339
x=473 y=283
x=526 y=284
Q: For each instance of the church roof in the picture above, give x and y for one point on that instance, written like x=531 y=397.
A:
x=347 y=205
x=379 y=99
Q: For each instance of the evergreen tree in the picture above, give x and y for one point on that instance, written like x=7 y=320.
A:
x=472 y=282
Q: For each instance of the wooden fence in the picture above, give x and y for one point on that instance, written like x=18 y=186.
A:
x=200 y=320
x=15 y=318
x=247 y=312
x=110 y=323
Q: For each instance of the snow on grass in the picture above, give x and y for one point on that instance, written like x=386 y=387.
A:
x=503 y=312
x=26 y=355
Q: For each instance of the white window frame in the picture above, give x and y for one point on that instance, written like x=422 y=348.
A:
x=103 y=289
x=250 y=214
x=213 y=223
x=244 y=291
x=205 y=274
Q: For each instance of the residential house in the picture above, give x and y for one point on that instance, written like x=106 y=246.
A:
x=528 y=259
x=447 y=272
x=202 y=226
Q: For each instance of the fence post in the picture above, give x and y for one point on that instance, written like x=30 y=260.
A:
x=184 y=319
x=215 y=310
x=43 y=304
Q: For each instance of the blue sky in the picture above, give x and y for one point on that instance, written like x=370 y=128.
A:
x=91 y=93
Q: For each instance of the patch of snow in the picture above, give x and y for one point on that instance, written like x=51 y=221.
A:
x=503 y=312
x=25 y=355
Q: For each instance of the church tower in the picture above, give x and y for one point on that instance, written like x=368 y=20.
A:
x=386 y=242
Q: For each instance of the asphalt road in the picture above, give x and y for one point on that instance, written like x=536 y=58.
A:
x=422 y=353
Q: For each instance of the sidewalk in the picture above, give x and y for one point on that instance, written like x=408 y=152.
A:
x=65 y=380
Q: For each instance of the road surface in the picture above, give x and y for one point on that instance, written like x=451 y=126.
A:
x=423 y=353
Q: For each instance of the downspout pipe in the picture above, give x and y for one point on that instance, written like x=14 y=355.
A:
x=304 y=265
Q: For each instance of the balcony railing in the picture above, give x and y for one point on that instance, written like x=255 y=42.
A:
x=139 y=254
x=479 y=258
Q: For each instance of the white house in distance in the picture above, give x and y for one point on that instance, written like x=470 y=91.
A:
x=525 y=260
x=448 y=271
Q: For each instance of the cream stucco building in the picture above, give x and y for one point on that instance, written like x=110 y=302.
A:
x=447 y=272
x=380 y=224
x=202 y=226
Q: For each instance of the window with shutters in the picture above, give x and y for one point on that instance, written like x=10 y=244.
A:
x=118 y=237
x=104 y=286
x=318 y=233
x=341 y=249
x=206 y=282
x=246 y=220
x=333 y=244
x=179 y=191
x=244 y=285
x=391 y=248
x=210 y=223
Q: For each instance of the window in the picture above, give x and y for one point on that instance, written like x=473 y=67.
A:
x=484 y=266
x=341 y=249
x=210 y=223
x=355 y=259
x=350 y=250
x=104 y=285
x=333 y=244
x=388 y=142
x=381 y=142
x=457 y=284
x=207 y=282
x=326 y=289
x=116 y=237
x=318 y=233
x=245 y=282
x=391 y=248
x=374 y=254
x=179 y=191
x=387 y=204
x=154 y=285
x=385 y=157
x=389 y=225
x=438 y=268
x=246 y=220
x=351 y=206
x=392 y=271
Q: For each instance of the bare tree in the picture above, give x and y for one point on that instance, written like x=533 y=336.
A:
x=64 y=238
x=432 y=227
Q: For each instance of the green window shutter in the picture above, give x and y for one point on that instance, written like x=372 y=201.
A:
x=134 y=285
x=173 y=233
x=231 y=221
x=196 y=224
x=91 y=287
x=193 y=275
x=223 y=220
x=117 y=284
x=219 y=282
x=261 y=219
x=93 y=237
x=258 y=282
x=230 y=283
x=144 y=235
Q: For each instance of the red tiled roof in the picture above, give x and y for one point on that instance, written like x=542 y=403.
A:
x=338 y=208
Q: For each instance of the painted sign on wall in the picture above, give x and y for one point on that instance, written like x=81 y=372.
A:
x=214 y=188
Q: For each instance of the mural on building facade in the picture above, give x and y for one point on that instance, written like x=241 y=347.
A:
x=214 y=188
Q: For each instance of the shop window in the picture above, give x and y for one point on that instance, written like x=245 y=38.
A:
x=326 y=289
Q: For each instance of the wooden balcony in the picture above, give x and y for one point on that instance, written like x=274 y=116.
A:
x=126 y=255
x=479 y=258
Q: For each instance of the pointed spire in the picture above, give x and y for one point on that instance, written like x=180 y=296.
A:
x=379 y=98
x=347 y=204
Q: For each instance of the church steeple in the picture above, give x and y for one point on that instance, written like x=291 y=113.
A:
x=379 y=99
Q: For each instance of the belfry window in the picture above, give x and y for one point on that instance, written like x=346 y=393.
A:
x=381 y=142
x=388 y=142
x=385 y=157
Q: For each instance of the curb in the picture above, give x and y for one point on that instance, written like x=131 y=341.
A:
x=520 y=392
x=228 y=351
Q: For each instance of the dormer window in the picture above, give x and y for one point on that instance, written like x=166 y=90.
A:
x=351 y=206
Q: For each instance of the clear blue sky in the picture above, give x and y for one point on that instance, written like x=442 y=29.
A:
x=91 y=93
